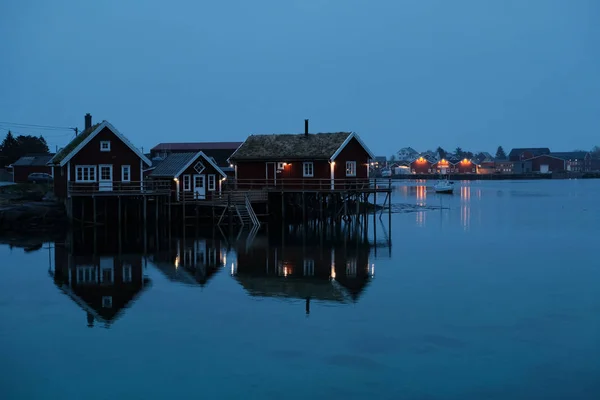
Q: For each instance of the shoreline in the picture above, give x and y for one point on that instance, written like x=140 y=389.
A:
x=495 y=177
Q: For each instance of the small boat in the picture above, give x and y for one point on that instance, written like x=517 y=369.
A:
x=444 y=186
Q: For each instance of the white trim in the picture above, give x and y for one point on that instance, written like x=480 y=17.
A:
x=90 y=168
x=68 y=172
x=142 y=175
x=108 y=183
x=102 y=143
x=177 y=189
x=353 y=135
x=354 y=166
x=236 y=150
x=200 y=195
x=312 y=169
x=214 y=186
x=200 y=154
x=92 y=135
x=128 y=268
x=128 y=167
x=332 y=168
x=189 y=189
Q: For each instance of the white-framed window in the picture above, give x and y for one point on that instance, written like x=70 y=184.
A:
x=106 y=301
x=309 y=267
x=126 y=173
x=86 y=274
x=350 y=168
x=308 y=170
x=106 y=269
x=187 y=183
x=85 y=173
x=199 y=167
x=105 y=145
x=280 y=165
x=212 y=182
x=126 y=273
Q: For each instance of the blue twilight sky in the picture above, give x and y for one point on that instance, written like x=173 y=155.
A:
x=421 y=73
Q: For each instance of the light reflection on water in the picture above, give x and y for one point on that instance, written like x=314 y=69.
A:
x=497 y=284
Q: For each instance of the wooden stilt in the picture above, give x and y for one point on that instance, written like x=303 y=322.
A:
x=95 y=211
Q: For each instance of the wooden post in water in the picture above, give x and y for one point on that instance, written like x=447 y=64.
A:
x=390 y=208
x=145 y=211
x=94 y=210
x=119 y=212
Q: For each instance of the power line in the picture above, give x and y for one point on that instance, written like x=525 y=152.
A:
x=36 y=126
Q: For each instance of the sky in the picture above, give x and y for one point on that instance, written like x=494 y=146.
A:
x=421 y=73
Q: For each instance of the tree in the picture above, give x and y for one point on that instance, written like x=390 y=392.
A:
x=13 y=148
x=458 y=152
x=500 y=154
x=392 y=158
x=595 y=152
x=8 y=150
x=441 y=152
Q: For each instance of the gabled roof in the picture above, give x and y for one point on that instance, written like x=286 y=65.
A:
x=81 y=140
x=37 y=160
x=536 y=151
x=570 y=155
x=176 y=163
x=314 y=146
x=196 y=146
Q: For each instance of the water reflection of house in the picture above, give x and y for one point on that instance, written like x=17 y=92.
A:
x=192 y=261
x=318 y=270
x=103 y=282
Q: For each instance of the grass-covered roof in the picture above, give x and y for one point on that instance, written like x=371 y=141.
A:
x=72 y=144
x=313 y=146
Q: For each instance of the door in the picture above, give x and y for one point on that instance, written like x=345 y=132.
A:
x=271 y=174
x=544 y=168
x=105 y=178
x=199 y=187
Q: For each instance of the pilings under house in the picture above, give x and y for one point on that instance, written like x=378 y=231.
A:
x=238 y=203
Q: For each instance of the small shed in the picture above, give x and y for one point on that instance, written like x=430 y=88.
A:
x=421 y=165
x=465 y=166
x=194 y=176
x=29 y=164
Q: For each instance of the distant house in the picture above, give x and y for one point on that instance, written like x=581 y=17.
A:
x=422 y=165
x=192 y=175
x=443 y=167
x=482 y=157
x=99 y=159
x=29 y=164
x=547 y=163
x=504 y=166
x=520 y=154
x=486 y=168
x=218 y=151
x=380 y=162
x=308 y=160
x=465 y=166
x=575 y=161
x=407 y=154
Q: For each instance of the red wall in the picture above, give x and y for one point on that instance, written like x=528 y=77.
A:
x=554 y=164
x=208 y=170
x=120 y=154
x=22 y=172
x=420 y=167
x=468 y=167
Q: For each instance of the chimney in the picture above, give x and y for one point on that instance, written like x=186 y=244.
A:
x=305 y=127
x=88 y=121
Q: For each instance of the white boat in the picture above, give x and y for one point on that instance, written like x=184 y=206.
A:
x=444 y=186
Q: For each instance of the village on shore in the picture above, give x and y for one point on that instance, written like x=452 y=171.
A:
x=519 y=163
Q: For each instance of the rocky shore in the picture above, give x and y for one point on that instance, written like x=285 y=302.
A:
x=28 y=210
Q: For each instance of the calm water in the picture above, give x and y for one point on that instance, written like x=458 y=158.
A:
x=494 y=294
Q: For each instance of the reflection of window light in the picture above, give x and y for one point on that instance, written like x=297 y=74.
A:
x=332 y=271
x=177 y=261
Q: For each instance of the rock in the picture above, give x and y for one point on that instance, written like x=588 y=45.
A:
x=32 y=217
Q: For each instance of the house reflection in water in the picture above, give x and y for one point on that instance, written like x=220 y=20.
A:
x=99 y=275
x=310 y=268
x=191 y=261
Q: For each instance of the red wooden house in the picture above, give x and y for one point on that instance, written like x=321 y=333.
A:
x=465 y=166
x=547 y=163
x=100 y=160
x=310 y=160
x=443 y=167
x=421 y=165
x=191 y=175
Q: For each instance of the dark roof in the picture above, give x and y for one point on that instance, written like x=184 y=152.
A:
x=170 y=166
x=73 y=143
x=197 y=146
x=536 y=151
x=290 y=146
x=33 y=160
x=570 y=155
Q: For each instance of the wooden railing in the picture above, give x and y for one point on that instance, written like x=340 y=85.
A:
x=117 y=187
x=282 y=183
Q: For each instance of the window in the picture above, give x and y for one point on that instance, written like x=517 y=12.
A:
x=308 y=169
x=211 y=182
x=309 y=267
x=280 y=165
x=105 y=145
x=106 y=269
x=126 y=173
x=350 y=168
x=106 y=301
x=85 y=173
x=86 y=274
x=187 y=183
x=126 y=273
x=199 y=167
